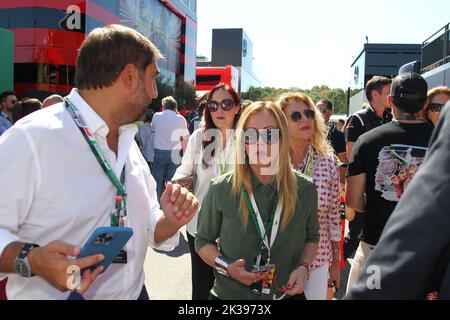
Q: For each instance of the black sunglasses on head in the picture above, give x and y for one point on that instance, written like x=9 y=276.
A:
x=296 y=116
x=226 y=105
x=435 y=107
x=270 y=136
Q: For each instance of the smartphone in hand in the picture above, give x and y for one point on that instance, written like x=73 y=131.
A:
x=108 y=241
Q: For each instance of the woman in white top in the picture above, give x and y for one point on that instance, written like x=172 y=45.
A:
x=210 y=154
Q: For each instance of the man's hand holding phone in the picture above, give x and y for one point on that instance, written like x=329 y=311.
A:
x=52 y=262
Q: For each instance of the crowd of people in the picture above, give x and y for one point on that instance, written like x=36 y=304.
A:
x=264 y=188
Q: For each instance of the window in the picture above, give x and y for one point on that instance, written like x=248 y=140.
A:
x=25 y=72
x=53 y=75
x=63 y=75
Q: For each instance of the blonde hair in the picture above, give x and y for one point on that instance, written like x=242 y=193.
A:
x=438 y=91
x=319 y=139
x=285 y=178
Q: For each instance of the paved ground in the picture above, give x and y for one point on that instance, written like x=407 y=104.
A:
x=168 y=275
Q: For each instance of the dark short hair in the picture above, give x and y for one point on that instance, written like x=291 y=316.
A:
x=30 y=105
x=376 y=84
x=6 y=94
x=106 y=51
x=328 y=103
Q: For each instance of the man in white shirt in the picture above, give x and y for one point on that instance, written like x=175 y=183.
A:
x=54 y=193
x=170 y=136
x=7 y=101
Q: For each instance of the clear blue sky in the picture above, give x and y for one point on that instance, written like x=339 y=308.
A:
x=305 y=43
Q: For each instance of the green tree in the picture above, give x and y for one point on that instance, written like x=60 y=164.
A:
x=184 y=94
x=337 y=96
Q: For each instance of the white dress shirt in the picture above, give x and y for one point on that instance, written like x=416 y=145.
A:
x=167 y=128
x=192 y=159
x=53 y=188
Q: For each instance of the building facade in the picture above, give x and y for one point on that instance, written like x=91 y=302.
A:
x=48 y=34
x=232 y=50
x=378 y=59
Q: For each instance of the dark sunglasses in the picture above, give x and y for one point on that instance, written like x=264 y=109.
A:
x=226 y=105
x=435 y=107
x=270 y=136
x=296 y=116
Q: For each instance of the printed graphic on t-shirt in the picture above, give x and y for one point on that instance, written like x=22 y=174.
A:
x=397 y=166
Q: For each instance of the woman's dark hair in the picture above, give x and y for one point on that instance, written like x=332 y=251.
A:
x=208 y=122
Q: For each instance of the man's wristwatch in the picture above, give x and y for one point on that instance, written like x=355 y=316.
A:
x=221 y=265
x=21 y=263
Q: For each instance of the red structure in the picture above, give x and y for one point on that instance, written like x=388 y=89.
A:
x=3 y=289
x=208 y=77
x=48 y=33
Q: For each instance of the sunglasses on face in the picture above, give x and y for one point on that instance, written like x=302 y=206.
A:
x=226 y=105
x=296 y=116
x=435 y=107
x=269 y=136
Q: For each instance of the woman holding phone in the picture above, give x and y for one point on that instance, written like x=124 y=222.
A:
x=263 y=213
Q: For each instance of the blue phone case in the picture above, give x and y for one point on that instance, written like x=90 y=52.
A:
x=108 y=241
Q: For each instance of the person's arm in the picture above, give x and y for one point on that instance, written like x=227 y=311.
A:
x=355 y=188
x=87 y=278
x=334 y=221
x=179 y=206
x=50 y=262
x=184 y=142
x=353 y=131
x=235 y=270
x=349 y=147
x=20 y=181
x=414 y=248
x=190 y=158
x=208 y=230
x=297 y=279
x=355 y=196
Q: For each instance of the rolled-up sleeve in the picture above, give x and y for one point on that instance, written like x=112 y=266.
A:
x=155 y=215
x=209 y=220
x=312 y=224
x=334 y=213
x=167 y=245
x=20 y=178
x=6 y=238
x=189 y=161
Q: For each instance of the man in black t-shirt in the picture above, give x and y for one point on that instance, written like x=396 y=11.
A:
x=335 y=136
x=375 y=114
x=414 y=249
x=384 y=161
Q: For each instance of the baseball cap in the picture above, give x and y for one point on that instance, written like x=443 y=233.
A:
x=409 y=86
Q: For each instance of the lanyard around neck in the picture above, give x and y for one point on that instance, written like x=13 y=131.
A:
x=121 y=196
x=274 y=220
x=221 y=163
x=308 y=167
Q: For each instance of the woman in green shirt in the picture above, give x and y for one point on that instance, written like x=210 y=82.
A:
x=264 y=214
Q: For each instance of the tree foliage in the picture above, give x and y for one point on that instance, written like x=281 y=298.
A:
x=336 y=95
x=184 y=94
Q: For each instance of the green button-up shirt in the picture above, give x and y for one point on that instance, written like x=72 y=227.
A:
x=219 y=217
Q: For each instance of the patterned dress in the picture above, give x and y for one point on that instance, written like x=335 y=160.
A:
x=325 y=174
